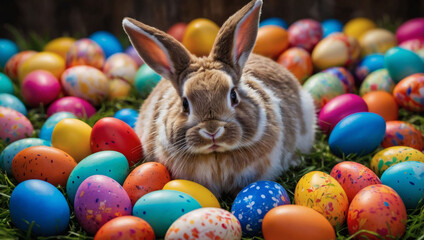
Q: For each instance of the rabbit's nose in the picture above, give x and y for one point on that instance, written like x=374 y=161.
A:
x=211 y=134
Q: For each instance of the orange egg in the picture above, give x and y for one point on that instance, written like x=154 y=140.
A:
x=271 y=41
x=382 y=103
x=400 y=133
x=125 y=227
x=297 y=61
x=199 y=36
x=297 y=223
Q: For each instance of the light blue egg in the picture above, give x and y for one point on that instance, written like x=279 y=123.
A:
x=161 y=208
x=51 y=122
x=6 y=85
x=369 y=64
x=6 y=157
x=108 y=42
x=274 y=21
x=128 y=115
x=407 y=179
x=7 y=50
x=145 y=80
x=10 y=101
x=40 y=204
x=401 y=63
x=359 y=133
x=330 y=26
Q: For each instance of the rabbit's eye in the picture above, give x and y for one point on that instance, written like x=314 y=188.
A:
x=186 y=106
x=233 y=97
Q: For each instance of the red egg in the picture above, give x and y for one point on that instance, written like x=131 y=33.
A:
x=400 y=133
x=177 y=31
x=113 y=134
x=409 y=92
x=125 y=227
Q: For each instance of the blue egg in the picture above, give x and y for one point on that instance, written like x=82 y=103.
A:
x=128 y=115
x=6 y=85
x=109 y=43
x=10 y=101
x=401 y=63
x=274 y=21
x=161 y=208
x=254 y=201
x=40 y=204
x=369 y=64
x=407 y=179
x=6 y=157
x=145 y=80
x=7 y=50
x=51 y=122
x=330 y=26
x=359 y=133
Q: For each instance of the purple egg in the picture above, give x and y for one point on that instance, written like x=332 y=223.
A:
x=75 y=105
x=134 y=55
x=40 y=87
x=413 y=28
x=338 y=108
x=99 y=199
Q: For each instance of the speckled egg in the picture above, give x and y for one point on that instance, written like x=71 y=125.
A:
x=394 y=155
x=401 y=63
x=416 y=45
x=254 y=201
x=85 y=52
x=205 y=223
x=14 y=125
x=345 y=77
x=321 y=192
x=13 y=64
x=409 y=93
x=202 y=195
x=353 y=176
x=271 y=41
x=377 y=208
x=377 y=40
x=367 y=65
x=51 y=122
x=120 y=65
x=147 y=177
x=45 y=163
x=125 y=228
x=98 y=200
x=297 y=61
x=378 y=80
x=305 y=33
x=400 y=133
x=10 y=101
x=75 y=105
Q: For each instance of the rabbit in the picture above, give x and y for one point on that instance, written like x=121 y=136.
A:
x=224 y=120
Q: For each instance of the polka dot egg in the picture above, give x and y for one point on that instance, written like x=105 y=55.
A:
x=14 y=125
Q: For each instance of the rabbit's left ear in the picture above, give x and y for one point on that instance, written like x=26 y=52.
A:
x=237 y=36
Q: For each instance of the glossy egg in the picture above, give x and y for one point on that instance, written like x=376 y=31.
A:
x=202 y=195
x=59 y=46
x=119 y=88
x=382 y=103
x=330 y=26
x=402 y=63
x=296 y=222
x=271 y=41
x=75 y=105
x=416 y=45
x=108 y=42
x=321 y=192
x=359 y=134
x=413 y=28
x=305 y=33
x=205 y=223
x=145 y=80
x=122 y=66
x=98 y=200
x=40 y=87
x=377 y=208
x=6 y=85
x=161 y=208
x=125 y=228
x=394 y=155
x=7 y=49
x=199 y=36
x=353 y=176
x=45 y=163
x=409 y=92
x=400 y=133
x=378 y=80
x=297 y=61
x=128 y=115
x=13 y=64
x=254 y=201
x=14 y=125
x=358 y=26
x=344 y=76
x=130 y=51
x=10 y=101
x=377 y=40
x=177 y=31
x=51 y=122
x=148 y=177
x=48 y=61
x=85 y=52
x=274 y=21
x=369 y=64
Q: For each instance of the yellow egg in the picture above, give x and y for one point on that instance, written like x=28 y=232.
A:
x=73 y=137
x=394 y=155
x=321 y=192
x=197 y=191
x=59 y=46
x=358 y=26
x=48 y=61
x=119 y=88
x=199 y=36
x=377 y=41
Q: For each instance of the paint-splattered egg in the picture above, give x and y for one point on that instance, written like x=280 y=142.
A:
x=51 y=122
x=394 y=155
x=305 y=33
x=14 y=125
x=271 y=41
x=13 y=64
x=85 y=52
x=75 y=105
x=125 y=228
x=377 y=208
x=402 y=63
x=367 y=65
x=297 y=61
x=122 y=66
x=416 y=45
x=378 y=80
x=377 y=40
x=10 y=101
x=202 y=195
x=382 y=103
x=344 y=76
x=409 y=93
x=400 y=133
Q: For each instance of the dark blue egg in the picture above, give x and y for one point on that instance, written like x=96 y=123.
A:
x=330 y=26
x=128 y=115
x=274 y=21
x=369 y=64
x=109 y=43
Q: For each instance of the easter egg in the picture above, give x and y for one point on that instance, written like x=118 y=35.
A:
x=323 y=193
x=145 y=80
x=338 y=108
x=10 y=101
x=296 y=222
x=161 y=208
x=271 y=41
x=40 y=207
x=377 y=40
x=400 y=133
x=148 y=177
x=125 y=228
x=108 y=42
x=377 y=208
x=51 y=62
x=330 y=26
x=369 y=64
x=382 y=103
x=413 y=28
x=108 y=163
x=394 y=155
x=40 y=87
x=73 y=137
x=99 y=199
x=409 y=93
x=416 y=45
x=402 y=63
x=338 y=49
x=45 y=163
x=274 y=21
x=323 y=87
x=254 y=201
x=358 y=26
x=407 y=179
x=60 y=46
x=7 y=50
x=353 y=177
x=7 y=155
x=199 y=36
x=344 y=76
x=6 y=85
x=85 y=52
x=130 y=51
x=202 y=195
x=205 y=223
x=51 y=122
x=118 y=89
x=378 y=80
x=14 y=125
x=12 y=66
x=305 y=33
x=297 y=61
x=122 y=66
x=75 y=105
x=177 y=30
x=128 y=115
x=359 y=134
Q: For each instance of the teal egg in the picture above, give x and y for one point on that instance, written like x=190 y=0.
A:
x=10 y=101
x=6 y=85
x=51 y=122
x=401 y=63
x=7 y=50
x=145 y=80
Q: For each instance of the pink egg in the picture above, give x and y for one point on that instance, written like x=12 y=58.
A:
x=75 y=105
x=305 y=33
x=85 y=52
x=14 y=125
x=413 y=28
x=338 y=108
x=40 y=87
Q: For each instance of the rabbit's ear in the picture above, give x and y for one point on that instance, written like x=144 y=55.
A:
x=237 y=36
x=160 y=51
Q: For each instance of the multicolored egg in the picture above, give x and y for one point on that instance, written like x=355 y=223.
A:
x=40 y=87
x=409 y=93
x=305 y=33
x=356 y=27
x=51 y=62
x=410 y=29
x=400 y=133
x=345 y=77
x=85 y=52
x=10 y=101
x=14 y=125
x=271 y=41
x=382 y=103
x=394 y=155
x=202 y=195
x=125 y=228
x=59 y=46
x=199 y=36
x=401 y=63
x=297 y=61
x=122 y=66
x=377 y=40
x=378 y=80
x=13 y=64
x=416 y=45
x=75 y=105
x=367 y=65
x=51 y=122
